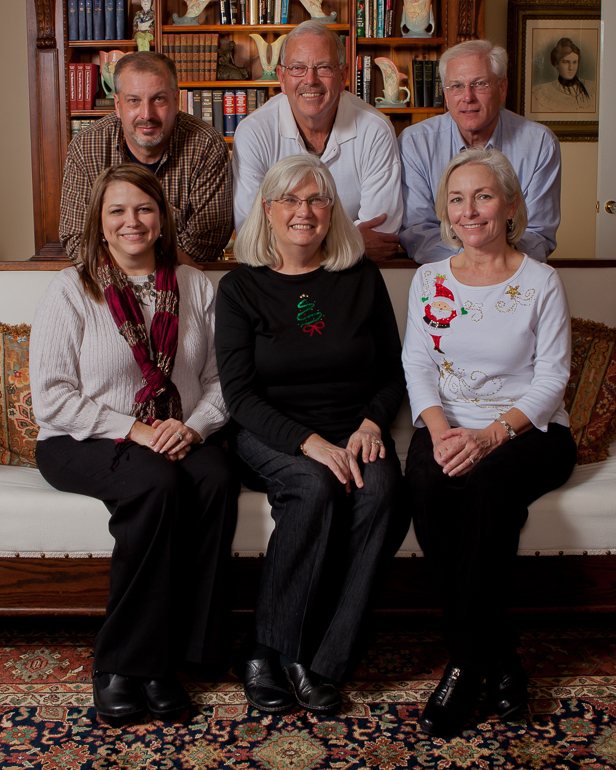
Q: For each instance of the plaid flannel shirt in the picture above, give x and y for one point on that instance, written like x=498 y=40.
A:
x=195 y=172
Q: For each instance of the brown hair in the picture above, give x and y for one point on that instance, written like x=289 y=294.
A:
x=145 y=61
x=92 y=244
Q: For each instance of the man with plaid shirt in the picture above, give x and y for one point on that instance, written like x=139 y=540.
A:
x=189 y=157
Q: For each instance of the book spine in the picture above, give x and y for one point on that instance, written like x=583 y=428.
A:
x=359 y=77
x=233 y=11
x=75 y=128
x=241 y=106
x=261 y=97
x=190 y=102
x=110 y=20
x=182 y=72
x=201 y=57
x=367 y=17
x=437 y=99
x=262 y=11
x=224 y=18
x=73 y=20
x=374 y=17
x=214 y=57
x=418 y=82
x=428 y=84
x=98 y=20
x=253 y=12
x=284 y=12
x=367 y=83
x=72 y=87
x=251 y=100
x=243 y=12
x=217 y=111
x=389 y=18
x=380 y=19
x=269 y=10
x=183 y=100
x=229 y=112
x=81 y=18
x=90 y=84
x=277 y=11
x=360 y=19
x=206 y=107
x=121 y=19
x=197 y=104
x=80 y=100
x=166 y=46
x=89 y=20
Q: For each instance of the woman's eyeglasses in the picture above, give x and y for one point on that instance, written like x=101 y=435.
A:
x=291 y=203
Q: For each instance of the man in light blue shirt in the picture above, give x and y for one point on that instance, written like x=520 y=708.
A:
x=475 y=85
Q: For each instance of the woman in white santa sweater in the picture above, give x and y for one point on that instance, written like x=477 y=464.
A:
x=486 y=356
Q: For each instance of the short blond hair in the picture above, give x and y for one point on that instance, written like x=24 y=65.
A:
x=255 y=245
x=503 y=173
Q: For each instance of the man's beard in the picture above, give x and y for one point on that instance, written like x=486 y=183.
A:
x=440 y=314
x=147 y=141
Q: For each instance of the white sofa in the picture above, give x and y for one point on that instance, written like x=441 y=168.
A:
x=38 y=522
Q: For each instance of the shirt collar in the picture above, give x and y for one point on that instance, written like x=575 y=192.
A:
x=343 y=130
x=495 y=141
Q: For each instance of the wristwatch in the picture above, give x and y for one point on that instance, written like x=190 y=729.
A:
x=507 y=427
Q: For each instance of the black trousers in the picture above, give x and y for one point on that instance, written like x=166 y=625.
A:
x=324 y=554
x=469 y=528
x=172 y=523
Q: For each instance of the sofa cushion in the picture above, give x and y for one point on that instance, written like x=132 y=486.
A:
x=590 y=397
x=18 y=429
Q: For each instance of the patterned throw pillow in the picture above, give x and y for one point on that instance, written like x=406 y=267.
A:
x=18 y=429
x=590 y=397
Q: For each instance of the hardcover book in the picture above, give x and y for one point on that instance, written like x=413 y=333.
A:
x=217 y=112
x=73 y=20
x=206 y=107
x=120 y=19
x=229 y=112
x=110 y=20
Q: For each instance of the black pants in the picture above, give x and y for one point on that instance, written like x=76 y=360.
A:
x=324 y=553
x=172 y=523
x=469 y=527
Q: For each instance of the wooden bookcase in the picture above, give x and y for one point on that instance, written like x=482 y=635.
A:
x=50 y=52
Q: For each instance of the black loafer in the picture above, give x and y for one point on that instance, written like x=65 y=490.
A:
x=311 y=692
x=118 y=699
x=452 y=703
x=166 y=698
x=507 y=689
x=265 y=687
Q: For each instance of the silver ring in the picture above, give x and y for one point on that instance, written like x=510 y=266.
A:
x=179 y=435
x=472 y=461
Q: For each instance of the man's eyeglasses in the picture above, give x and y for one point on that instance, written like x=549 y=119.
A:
x=291 y=203
x=479 y=87
x=299 y=70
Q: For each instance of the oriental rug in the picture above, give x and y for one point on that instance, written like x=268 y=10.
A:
x=47 y=719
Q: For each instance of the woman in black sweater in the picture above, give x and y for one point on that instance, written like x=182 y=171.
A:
x=309 y=359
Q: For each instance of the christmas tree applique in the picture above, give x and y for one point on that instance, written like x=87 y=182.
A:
x=310 y=319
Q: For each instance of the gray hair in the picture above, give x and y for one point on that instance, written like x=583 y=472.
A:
x=503 y=173
x=495 y=54
x=146 y=61
x=255 y=244
x=315 y=27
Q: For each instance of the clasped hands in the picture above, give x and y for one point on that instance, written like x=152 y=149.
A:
x=170 y=438
x=342 y=461
x=458 y=449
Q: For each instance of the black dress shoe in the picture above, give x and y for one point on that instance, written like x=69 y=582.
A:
x=118 y=699
x=452 y=703
x=311 y=692
x=507 y=688
x=265 y=687
x=166 y=698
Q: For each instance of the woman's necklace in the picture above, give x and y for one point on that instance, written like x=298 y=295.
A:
x=144 y=292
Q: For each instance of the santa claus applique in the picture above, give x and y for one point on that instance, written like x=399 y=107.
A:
x=440 y=312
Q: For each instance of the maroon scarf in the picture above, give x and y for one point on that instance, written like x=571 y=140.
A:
x=158 y=399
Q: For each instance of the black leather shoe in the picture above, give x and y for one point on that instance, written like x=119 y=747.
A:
x=311 y=692
x=452 y=703
x=118 y=699
x=507 y=689
x=265 y=687
x=166 y=698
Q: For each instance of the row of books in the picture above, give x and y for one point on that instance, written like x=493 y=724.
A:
x=82 y=86
x=222 y=108
x=254 y=11
x=195 y=56
x=79 y=125
x=375 y=18
x=96 y=19
x=424 y=82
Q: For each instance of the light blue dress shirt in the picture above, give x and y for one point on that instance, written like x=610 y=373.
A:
x=427 y=147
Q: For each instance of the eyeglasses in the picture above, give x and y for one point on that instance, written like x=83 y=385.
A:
x=299 y=70
x=479 y=87
x=291 y=203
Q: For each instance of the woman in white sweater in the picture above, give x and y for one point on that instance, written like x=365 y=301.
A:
x=486 y=357
x=126 y=393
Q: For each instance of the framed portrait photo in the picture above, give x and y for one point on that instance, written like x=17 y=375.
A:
x=554 y=53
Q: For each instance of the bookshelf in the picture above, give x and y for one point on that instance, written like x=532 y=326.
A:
x=50 y=52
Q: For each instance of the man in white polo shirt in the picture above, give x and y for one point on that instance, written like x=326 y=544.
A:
x=315 y=114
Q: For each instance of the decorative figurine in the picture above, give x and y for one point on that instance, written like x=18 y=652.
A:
x=391 y=82
x=418 y=18
x=269 y=70
x=194 y=10
x=143 y=26
x=314 y=9
x=108 y=61
x=227 y=68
